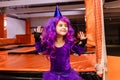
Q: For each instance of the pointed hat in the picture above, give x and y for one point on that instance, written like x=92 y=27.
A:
x=57 y=12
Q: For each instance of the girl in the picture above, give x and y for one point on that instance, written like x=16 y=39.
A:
x=58 y=42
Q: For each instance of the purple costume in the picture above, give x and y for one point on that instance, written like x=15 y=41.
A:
x=60 y=63
x=60 y=68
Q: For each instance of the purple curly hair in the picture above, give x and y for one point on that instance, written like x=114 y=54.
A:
x=49 y=32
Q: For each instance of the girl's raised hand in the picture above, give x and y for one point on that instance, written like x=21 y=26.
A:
x=81 y=35
x=39 y=29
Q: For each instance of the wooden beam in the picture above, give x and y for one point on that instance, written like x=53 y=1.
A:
x=32 y=2
x=112 y=10
x=114 y=4
x=45 y=9
x=49 y=14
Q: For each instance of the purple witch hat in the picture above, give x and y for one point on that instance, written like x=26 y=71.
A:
x=57 y=12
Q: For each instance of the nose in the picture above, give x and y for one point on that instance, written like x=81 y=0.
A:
x=64 y=26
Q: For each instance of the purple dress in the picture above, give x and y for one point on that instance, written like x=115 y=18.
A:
x=60 y=68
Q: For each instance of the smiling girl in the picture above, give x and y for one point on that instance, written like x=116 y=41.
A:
x=58 y=42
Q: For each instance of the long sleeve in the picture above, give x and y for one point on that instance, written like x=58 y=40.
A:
x=37 y=36
x=38 y=44
x=79 y=48
x=41 y=48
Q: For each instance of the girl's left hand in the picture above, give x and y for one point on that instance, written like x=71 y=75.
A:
x=81 y=35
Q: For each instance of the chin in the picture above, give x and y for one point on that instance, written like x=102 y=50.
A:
x=63 y=34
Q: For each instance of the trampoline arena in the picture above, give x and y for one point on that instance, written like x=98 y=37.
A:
x=21 y=62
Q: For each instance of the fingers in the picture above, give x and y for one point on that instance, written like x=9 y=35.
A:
x=39 y=29
x=82 y=35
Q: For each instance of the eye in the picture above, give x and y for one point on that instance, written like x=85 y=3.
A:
x=66 y=25
x=60 y=25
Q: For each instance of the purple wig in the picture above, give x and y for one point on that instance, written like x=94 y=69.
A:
x=49 y=32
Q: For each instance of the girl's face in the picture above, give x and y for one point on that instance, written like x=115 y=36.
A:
x=61 y=28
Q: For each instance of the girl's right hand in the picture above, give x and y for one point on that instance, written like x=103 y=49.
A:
x=39 y=29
